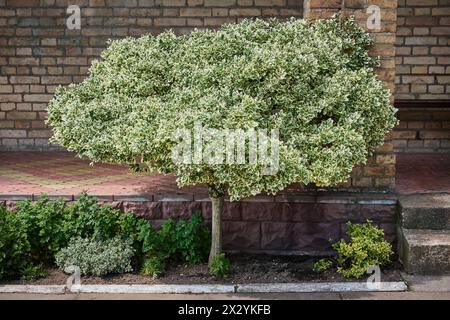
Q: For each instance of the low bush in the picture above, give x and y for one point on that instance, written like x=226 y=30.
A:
x=220 y=266
x=322 y=265
x=33 y=272
x=45 y=229
x=97 y=258
x=14 y=244
x=153 y=266
x=367 y=247
x=193 y=239
x=87 y=219
x=182 y=241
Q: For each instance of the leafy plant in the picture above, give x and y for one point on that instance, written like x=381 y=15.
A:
x=95 y=257
x=193 y=239
x=37 y=231
x=85 y=218
x=220 y=266
x=322 y=265
x=14 y=244
x=312 y=81
x=33 y=272
x=367 y=247
x=185 y=241
x=44 y=221
x=167 y=245
x=153 y=266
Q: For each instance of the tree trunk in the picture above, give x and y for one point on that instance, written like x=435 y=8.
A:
x=216 y=241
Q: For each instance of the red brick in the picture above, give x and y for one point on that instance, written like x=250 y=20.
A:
x=252 y=12
x=96 y=3
x=20 y=115
x=10 y=98
x=6 y=124
x=22 y=3
x=72 y=61
x=170 y=21
x=13 y=133
x=219 y=3
x=39 y=133
x=195 y=12
x=22 y=124
x=270 y=3
x=56 y=80
x=218 y=21
x=37 y=97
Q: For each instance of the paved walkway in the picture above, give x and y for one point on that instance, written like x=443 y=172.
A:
x=28 y=174
x=271 y=296
x=423 y=173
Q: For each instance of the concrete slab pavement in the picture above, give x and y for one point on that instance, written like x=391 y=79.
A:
x=260 y=296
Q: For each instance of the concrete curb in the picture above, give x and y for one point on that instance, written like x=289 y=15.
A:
x=157 y=288
x=322 y=287
x=45 y=289
x=209 y=288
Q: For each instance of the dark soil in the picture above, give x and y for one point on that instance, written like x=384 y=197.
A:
x=244 y=269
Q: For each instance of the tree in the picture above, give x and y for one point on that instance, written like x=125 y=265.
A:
x=312 y=83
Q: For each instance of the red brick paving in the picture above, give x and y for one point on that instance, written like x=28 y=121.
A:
x=423 y=173
x=27 y=173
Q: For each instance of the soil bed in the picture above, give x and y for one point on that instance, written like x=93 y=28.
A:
x=244 y=269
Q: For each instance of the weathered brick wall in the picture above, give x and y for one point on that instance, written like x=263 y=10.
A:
x=423 y=51
x=423 y=74
x=423 y=128
x=38 y=52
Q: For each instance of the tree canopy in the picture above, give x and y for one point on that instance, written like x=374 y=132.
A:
x=312 y=81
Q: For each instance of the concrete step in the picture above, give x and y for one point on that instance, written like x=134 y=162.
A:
x=425 y=251
x=425 y=211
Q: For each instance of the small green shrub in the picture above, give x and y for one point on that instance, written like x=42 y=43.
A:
x=14 y=245
x=32 y=272
x=193 y=239
x=167 y=246
x=153 y=266
x=44 y=220
x=322 y=265
x=87 y=219
x=97 y=258
x=366 y=247
x=220 y=266
x=182 y=241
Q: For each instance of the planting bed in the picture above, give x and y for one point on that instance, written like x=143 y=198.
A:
x=245 y=268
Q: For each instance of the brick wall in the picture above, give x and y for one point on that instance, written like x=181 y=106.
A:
x=423 y=51
x=423 y=76
x=38 y=52
x=423 y=128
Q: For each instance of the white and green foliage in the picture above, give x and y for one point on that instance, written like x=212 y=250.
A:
x=97 y=258
x=366 y=247
x=314 y=81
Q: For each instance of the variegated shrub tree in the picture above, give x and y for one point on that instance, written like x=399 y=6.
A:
x=313 y=81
